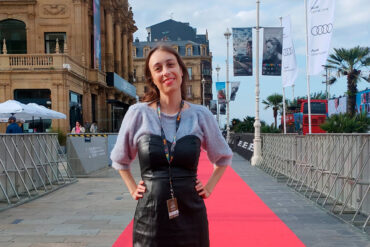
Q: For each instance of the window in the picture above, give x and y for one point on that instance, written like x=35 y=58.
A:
x=133 y=51
x=51 y=41
x=316 y=108
x=189 y=92
x=75 y=109
x=188 y=51
x=146 y=89
x=14 y=33
x=176 y=48
x=190 y=73
x=146 y=51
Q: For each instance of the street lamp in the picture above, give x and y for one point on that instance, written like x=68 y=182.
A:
x=227 y=36
x=218 y=70
x=203 y=82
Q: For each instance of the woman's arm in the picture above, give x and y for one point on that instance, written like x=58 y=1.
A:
x=136 y=190
x=205 y=191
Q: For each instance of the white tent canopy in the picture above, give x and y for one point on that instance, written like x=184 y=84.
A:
x=27 y=112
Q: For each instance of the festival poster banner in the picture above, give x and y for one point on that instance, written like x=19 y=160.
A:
x=213 y=106
x=337 y=106
x=289 y=70
x=221 y=95
x=320 y=19
x=234 y=89
x=223 y=108
x=242 y=51
x=363 y=102
x=272 y=50
x=97 y=40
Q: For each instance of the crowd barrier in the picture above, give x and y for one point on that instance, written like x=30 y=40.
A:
x=31 y=165
x=331 y=169
x=88 y=153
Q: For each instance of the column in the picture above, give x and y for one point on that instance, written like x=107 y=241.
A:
x=117 y=50
x=109 y=41
x=130 y=59
x=125 y=57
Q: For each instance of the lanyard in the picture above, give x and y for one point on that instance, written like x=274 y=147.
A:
x=169 y=153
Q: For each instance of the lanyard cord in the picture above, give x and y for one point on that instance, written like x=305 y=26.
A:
x=169 y=153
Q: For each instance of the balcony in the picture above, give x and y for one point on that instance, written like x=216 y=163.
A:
x=37 y=62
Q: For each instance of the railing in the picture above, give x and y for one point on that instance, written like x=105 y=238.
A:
x=331 y=169
x=11 y=62
x=31 y=165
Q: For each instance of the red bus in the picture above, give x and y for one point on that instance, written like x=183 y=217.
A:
x=297 y=118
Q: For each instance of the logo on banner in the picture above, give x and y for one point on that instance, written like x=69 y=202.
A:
x=288 y=51
x=322 y=29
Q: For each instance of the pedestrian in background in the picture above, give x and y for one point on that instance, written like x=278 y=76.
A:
x=13 y=127
x=78 y=129
x=168 y=132
x=94 y=127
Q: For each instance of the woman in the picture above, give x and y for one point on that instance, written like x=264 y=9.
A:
x=78 y=129
x=167 y=133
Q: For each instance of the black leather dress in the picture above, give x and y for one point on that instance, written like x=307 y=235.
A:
x=152 y=226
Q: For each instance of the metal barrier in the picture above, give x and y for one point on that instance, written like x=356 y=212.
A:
x=331 y=169
x=31 y=165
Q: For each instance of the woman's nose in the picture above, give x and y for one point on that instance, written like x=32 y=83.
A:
x=165 y=70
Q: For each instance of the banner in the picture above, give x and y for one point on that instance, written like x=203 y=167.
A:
x=289 y=70
x=337 y=106
x=221 y=95
x=320 y=18
x=242 y=51
x=234 y=89
x=223 y=108
x=213 y=106
x=363 y=102
x=272 y=49
x=242 y=144
x=97 y=40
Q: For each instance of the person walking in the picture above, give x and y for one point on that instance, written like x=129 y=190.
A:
x=167 y=132
x=13 y=127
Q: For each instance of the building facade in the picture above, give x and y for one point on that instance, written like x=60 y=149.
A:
x=193 y=49
x=73 y=56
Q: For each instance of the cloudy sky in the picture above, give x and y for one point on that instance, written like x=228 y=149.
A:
x=351 y=28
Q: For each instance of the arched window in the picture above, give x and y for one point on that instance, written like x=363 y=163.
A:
x=146 y=51
x=14 y=32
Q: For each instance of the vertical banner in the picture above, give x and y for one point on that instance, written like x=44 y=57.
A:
x=234 y=89
x=289 y=70
x=363 y=102
x=242 y=54
x=320 y=18
x=272 y=49
x=213 y=106
x=97 y=40
x=221 y=95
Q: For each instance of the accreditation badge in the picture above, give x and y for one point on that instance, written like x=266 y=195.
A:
x=173 y=209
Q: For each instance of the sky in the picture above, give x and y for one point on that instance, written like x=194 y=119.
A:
x=351 y=28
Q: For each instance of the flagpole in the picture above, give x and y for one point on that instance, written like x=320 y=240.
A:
x=257 y=124
x=307 y=73
x=284 y=119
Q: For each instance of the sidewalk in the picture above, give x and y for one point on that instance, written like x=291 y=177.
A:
x=94 y=211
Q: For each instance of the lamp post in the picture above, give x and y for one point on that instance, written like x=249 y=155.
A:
x=203 y=82
x=257 y=124
x=218 y=106
x=227 y=36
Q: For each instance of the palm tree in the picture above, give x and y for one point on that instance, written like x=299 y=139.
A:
x=348 y=62
x=275 y=102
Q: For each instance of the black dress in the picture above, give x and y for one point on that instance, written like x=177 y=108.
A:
x=152 y=226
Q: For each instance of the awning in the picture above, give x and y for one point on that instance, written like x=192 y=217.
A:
x=114 y=80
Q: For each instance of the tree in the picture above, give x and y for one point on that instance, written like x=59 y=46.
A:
x=274 y=101
x=348 y=62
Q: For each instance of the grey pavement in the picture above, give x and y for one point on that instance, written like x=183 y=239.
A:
x=94 y=211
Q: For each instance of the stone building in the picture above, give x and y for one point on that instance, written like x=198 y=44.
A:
x=73 y=56
x=193 y=49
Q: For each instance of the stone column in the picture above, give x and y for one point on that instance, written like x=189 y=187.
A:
x=109 y=41
x=125 y=57
x=130 y=59
x=117 y=50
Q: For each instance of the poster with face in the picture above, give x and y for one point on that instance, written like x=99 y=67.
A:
x=242 y=51
x=221 y=95
x=272 y=51
x=234 y=90
x=213 y=106
x=223 y=108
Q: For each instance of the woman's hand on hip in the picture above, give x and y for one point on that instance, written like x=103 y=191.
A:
x=202 y=190
x=140 y=189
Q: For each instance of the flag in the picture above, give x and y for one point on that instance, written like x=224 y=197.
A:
x=272 y=49
x=234 y=89
x=221 y=96
x=213 y=106
x=289 y=70
x=320 y=18
x=242 y=51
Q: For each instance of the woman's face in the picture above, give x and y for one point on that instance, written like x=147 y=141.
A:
x=77 y=124
x=165 y=71
x=270 y=48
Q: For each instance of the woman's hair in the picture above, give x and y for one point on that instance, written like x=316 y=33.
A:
x=276 y=43
x=153 y=93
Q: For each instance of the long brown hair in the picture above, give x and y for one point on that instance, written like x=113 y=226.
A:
x=153 y=94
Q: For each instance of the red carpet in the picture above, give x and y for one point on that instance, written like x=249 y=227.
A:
x=236 y=215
